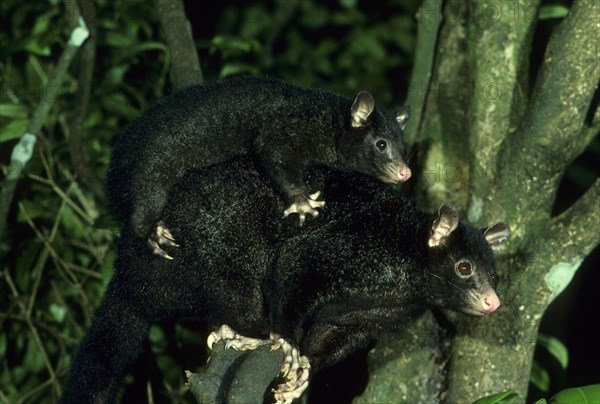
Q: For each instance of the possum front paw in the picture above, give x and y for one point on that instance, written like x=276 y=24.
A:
x=303 y=205
x=234 y=340
x=161 y=237
x=295 y=370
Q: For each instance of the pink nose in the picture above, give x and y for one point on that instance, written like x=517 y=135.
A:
x=490 y=302
x=404 y=174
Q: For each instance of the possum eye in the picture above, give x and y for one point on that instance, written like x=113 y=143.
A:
x=495 y=279
x=381 y=145
x=463 y=269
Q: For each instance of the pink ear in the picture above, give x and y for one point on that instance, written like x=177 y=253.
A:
x=403 y=116
x=361 y=108
x=496 y=235
x=445 y=224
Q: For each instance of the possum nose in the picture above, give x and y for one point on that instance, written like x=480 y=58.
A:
x=404 y=173
x=490 y=302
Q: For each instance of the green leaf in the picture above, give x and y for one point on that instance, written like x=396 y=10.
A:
x=351 y=18
x=118 y=40
x=114 y=104
x=580 y=395
x=107 y=265
x=33 y=361
x=93 y=119
x=115 y=75
x=348 y=3
x=34 y=47
x=13 y=110
x=34 y=210
x=556 y=349
x=3 y=341
x=540 y=377
x=224 y=42
x=41 y=24
x=158 y=338
x=71 y=223
x=169 y=369
x=504 y=397
x=146 y=46
x=58 y=312
x=19 y=373
x=13 y=130
x=314 y=16
x=236 y=68
x=550 y=11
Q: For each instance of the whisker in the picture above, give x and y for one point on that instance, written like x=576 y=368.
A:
x=447 y=281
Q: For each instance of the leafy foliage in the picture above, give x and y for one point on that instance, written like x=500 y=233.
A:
x=59 y=251
x=583 y=395
x=504 y=397
x=60 y=247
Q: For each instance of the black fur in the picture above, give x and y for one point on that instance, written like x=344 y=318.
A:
x=330 y=287
x=288 y=128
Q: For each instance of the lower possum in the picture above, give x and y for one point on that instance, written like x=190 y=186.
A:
x=286 y=127
x=374 y=264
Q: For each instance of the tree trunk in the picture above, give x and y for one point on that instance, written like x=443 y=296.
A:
x=497 y=153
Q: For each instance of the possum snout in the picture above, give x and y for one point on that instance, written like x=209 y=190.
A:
x=404 y=173
x=489 y=302
x=480 y=304
x=395 y=172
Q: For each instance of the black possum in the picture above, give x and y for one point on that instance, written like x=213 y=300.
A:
x=374 y=264
x=286 y=127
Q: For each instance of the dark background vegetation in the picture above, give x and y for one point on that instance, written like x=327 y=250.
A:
x=58 y=251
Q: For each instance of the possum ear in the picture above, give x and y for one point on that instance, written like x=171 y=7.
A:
x=496 y=235
x=361 y=109
x=445 y=224
x=402 y=116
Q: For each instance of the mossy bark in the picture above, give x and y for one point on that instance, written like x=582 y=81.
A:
x=236 y=376
x=497 y=153
x=177 y=32
x=408 y=366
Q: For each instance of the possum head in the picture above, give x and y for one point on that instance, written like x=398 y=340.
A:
x=461 y=264
x=378 y=140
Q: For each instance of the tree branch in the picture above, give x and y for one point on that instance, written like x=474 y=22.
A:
x=588 y=133
x=572 y=235
x=444 y=122
x=452 y=82
x=429 y=18
x=236 y=376
x=545 y=143
x=185 y=64
x=286 y=14
x=82 y=100
x=407 y=366
x=22 y=152
x=499 y=42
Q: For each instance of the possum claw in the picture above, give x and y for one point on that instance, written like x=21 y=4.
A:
x=157 y=250
x=162 y=237
x=165 y=237
x=234 y=340
x=315 y=196
x=294 y=368
x=304 y=205
x=224 y=332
